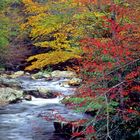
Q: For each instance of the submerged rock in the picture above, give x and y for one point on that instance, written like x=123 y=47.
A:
x=10 y=95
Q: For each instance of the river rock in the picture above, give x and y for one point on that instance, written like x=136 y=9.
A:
x=40 y=75
x=47 y=93
x=64 y=84
x=75 y=82
x=17 y=74
x=28 y=97
x=27 y=73
x=2 y=103
x=43 y=90
x=37 y=75
x=10 y=95
x=4 y=76
x=67 y=128
x=63 y=74
x=10 y=82
x=47 y=77
x=42 y=93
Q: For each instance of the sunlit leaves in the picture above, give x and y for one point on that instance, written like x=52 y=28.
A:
x=50 y=58
x=52 y=26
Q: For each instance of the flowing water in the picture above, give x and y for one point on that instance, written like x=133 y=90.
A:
x=25 y=120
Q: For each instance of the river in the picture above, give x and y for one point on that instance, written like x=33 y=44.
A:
x=25 y=120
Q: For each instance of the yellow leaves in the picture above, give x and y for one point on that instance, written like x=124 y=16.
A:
x=23 y=26
x=51 y=26
x=60 y=42
x=33 y=20
x=98 y=14
x=39 y=30
x=50 y=59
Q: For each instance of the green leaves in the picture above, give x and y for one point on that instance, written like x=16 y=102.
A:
x=5 y=3
x=107 y=58
x=113 y=104
x=3 y=41
x=4 y=30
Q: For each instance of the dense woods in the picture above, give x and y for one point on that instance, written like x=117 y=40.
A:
x=102 y=41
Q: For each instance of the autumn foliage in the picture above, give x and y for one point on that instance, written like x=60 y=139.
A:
x=104 y=38
x=105 y=41
x=58 y=26
x=51 y=26
x=110 y=69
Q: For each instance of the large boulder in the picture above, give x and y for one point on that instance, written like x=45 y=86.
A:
x=10 y=95
x=63 y=74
